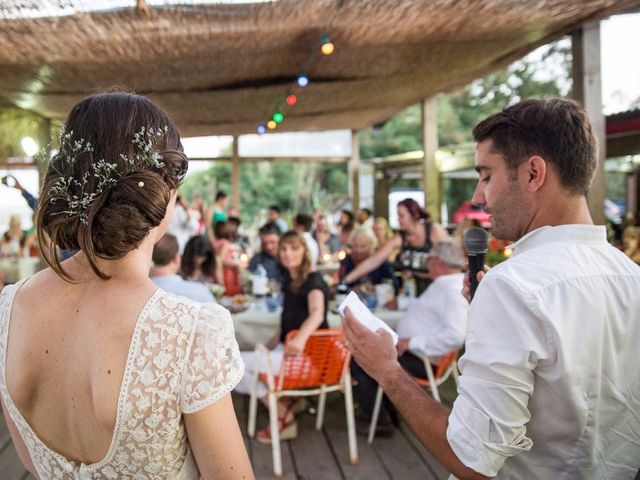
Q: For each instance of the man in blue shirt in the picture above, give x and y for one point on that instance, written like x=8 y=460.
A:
x=268 y=255
x=166 y=261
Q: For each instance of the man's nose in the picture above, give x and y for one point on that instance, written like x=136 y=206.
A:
x=478 y=196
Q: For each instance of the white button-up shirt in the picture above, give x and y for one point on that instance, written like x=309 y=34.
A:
x=550 y=385
x=436 y=322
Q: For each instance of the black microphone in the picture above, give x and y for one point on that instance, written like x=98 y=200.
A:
x=476 y=242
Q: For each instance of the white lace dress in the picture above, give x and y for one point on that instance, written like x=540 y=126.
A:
x=183 y=357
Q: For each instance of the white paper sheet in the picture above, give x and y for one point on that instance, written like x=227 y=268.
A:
x=364 y=315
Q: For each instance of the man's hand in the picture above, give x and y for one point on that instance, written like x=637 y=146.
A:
x=466 y=284
x=402 y=346
x=374 y=351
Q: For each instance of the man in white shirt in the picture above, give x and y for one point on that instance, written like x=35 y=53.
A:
x=183 y=224
x=434 y=324
x=550 y=384
x=166 y=264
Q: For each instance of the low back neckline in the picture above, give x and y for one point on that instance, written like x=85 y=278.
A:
x=17 y=416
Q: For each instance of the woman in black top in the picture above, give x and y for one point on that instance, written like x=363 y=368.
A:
x=417 y=235
x=306 y=295
x=306 y=298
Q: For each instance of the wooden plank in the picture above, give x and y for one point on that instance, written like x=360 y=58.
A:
x=260 y=454
x=399 y=458
x=10 y=465
x=312 y=453
x=437 y=470
x=335 y=428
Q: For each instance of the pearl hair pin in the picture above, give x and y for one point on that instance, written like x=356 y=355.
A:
x=141 y=184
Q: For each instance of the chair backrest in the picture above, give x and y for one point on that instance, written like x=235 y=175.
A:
x=445 y=362
x=323 y=361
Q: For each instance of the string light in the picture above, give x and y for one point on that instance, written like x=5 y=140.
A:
x=326 y=46
x=291 y=100
x=302 y=80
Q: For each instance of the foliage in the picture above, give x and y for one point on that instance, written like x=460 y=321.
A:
x=295 y=188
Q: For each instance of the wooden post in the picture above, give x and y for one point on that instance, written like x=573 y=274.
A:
x=235 y=174
x=381 y=193
x=354 y=172
x=44 y=140
x=430 y=173
x=587 y=89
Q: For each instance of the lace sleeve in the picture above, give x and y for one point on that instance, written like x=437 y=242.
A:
x=214 y=366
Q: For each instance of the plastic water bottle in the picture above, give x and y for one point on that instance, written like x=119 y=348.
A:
x=260 y=285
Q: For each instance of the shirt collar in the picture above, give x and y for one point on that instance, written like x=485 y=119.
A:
x=561 y=233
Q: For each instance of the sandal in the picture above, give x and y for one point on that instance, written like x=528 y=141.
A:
x=296 y=405
x=288 y=430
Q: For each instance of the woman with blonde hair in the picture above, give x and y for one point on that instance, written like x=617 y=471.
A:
x=631 y=243
x=102 y=374
x=383 y=234
x=306 y=298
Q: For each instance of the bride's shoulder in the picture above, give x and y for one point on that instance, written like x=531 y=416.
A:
x=192 y=312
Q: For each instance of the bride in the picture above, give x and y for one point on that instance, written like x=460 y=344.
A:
x=102 y=375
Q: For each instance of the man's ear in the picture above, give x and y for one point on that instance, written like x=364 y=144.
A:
x=534 y=171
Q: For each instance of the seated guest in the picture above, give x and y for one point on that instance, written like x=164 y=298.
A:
x=383 y=233
x=13 y=241
x=346 y=224
x=166 y=264
x=228 y=256
x=435 y=324
x=363 y=245
x=275 y=216
x=302 y=224
x=306 y=298
x=199 y=263
x=268 y=255
x=328 y=242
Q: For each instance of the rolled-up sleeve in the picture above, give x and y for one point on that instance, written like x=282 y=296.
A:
x=505 y=342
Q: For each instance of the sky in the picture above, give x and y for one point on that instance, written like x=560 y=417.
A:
x=620 y=87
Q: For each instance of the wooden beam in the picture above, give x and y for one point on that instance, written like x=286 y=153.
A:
x=381 y=189
x=587 y=89
x=430 y=173
x=235 y=173
x=354 y=172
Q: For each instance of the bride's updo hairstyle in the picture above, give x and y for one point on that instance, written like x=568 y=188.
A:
x=119 y=162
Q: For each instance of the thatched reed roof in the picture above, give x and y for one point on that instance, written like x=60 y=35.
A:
x=221 y=68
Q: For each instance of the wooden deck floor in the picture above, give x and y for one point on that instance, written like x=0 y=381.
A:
x=314 y=454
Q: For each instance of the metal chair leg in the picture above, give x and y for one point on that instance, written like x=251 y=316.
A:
x=351 y=423
x=275 y=435
x=374 y=417
x=322 y=401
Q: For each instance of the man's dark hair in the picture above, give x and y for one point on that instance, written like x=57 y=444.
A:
x=234 y=221
x=165 y=250
x=275 y=208
x=304 y=220
x=269 y=228
x=556 y=129
x=221 y=194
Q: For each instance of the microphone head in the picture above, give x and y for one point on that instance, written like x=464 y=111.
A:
x=476 y=240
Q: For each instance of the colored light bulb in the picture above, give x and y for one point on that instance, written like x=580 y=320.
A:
x=278 y=117
x=291 y=100
x=326 y=46
x=303 y=80
x=261 y=129
x=271 y=124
